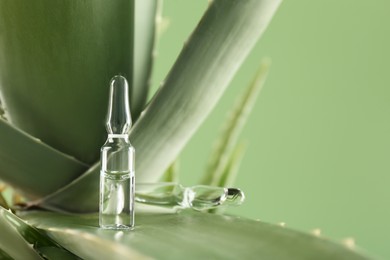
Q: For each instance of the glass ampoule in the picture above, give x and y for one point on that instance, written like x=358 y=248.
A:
x=199 y=197
x=116 y=208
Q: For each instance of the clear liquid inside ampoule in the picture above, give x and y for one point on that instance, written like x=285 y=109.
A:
x=116 y=202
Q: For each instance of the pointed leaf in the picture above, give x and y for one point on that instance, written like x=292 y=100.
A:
x=234 y=124
x=230 y=172
x=145 y=30
x=33 y=167
x=172 y=173
x=12 y=243
x=225 y=35
x=31 y=237
x=81 y=195
x=188 y=235
x=56 y=60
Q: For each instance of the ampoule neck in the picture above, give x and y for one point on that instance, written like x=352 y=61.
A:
x=119 y=136
x=118 y=139
x=118 y=121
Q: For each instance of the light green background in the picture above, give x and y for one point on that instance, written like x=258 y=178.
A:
x=319 y=135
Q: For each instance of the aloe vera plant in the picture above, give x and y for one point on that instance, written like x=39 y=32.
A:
x=56 y=60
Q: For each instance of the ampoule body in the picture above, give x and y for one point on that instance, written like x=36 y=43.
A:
x=116 y=209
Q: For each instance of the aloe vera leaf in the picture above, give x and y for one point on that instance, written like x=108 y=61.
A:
x=54 y=253
x=80 y=195
x=233 y=126
x=172 y=173
x=200 y=75
x=162 y=22
x=188 y=235
x=90 y=246
x=33 y=167
x=230 y=172
x=12 y=243
x=41 y=243
x=222 y=40
x=4 y=255
x=56 y=60
x=145 y=30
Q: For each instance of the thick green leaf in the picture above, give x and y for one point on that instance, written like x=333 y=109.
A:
x=33 y=167
x=145 y=30
x=228 y=138
x=188 y=235
x=212 y=55
x=81 y=195
x=56 y=60
x=4 y=255
x=12 y=243
x=30 y=236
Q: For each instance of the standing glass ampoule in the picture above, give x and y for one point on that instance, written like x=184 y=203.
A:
x=116 y=209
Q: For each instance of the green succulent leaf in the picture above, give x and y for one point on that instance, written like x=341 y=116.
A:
x=56 y=63
x=80 y=195
x=230 y=172
x=4 y=255
x=33 y=167
x=217 y=172
x=202 y=72
x=145 y=30
x=12 y=243
x=32 y=242
x=194 y=85
x=188 y=235
x=172 y=173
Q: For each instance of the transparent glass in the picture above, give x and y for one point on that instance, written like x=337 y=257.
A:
x=116 y=207
x=200 y=197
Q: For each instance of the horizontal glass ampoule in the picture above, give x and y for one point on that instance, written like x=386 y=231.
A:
x=199 y=197
x=116 y=208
